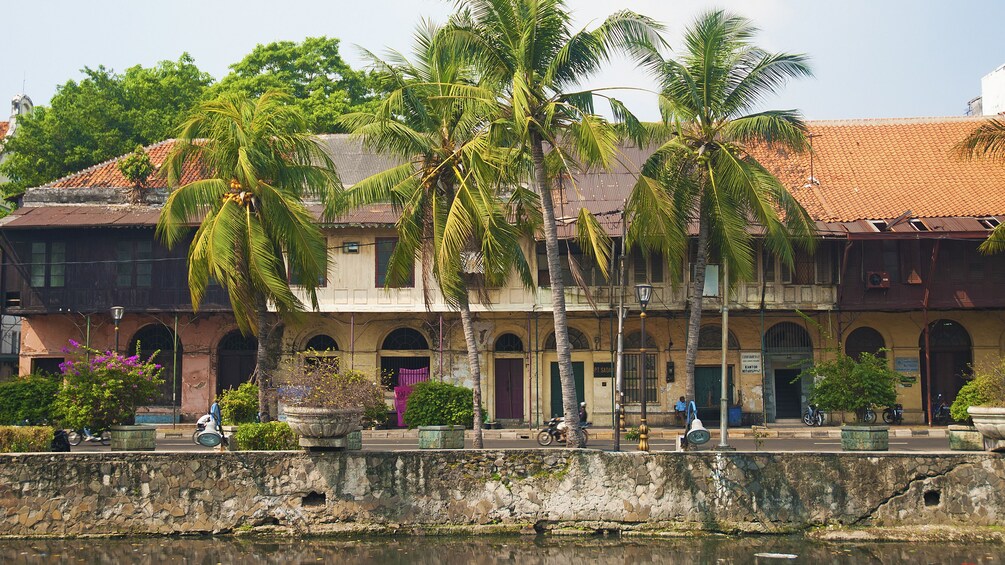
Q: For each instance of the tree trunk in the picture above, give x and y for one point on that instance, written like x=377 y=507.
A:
x=569 y=401
x=694 y=318
x=475 y=368
x=270 y=337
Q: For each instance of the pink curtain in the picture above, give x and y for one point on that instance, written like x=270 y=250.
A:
x=411 y=377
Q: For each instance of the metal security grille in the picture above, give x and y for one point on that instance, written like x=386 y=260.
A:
x=576 y=339
x=633 y=377
x=787 y=336
x=509 y=343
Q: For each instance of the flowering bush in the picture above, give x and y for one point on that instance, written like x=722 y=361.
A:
x=104 y=389
x=317 y=382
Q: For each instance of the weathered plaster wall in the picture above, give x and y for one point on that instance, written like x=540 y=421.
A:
x=304 y=493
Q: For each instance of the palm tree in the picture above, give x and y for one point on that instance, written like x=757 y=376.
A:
x=530 y=58
x=258 y=163
x=705 y=174
x=987 y=141
x=451 y=215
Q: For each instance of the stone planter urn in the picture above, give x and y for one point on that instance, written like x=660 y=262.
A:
x=965 y=438
x=133 y=438
x=865 y=438
x=990 y=422
x=323 y=429
x=441 y=437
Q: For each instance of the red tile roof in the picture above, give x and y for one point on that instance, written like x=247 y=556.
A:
x=107 y=175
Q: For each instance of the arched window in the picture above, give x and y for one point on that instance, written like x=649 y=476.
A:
x=509 y=343
x=634 y=341
x=864 y=340
x=404 y=339
x=710 y=337
x=321 y=342
x=787 y=336
x=157 y=338
x=577 y=340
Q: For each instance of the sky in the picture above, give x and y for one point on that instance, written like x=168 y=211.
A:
x=870 y=58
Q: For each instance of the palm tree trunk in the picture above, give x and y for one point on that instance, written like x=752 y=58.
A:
x=568 y=380
x=694 y=318
x=475 y=368
x=264 y=358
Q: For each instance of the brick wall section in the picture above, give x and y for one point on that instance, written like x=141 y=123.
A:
x=163 y=493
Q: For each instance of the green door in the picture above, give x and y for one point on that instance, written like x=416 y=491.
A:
x=556 y=387
x=708 y=390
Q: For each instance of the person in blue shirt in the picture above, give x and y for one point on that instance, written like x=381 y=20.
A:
x=679 y=409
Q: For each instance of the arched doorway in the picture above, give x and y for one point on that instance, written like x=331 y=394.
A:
x=579 y=342
x=950 y=357
x=787 y=350
x=157 y=338
x=403 y=348
x=236 y=357
x=864 y=340
x=509 y=377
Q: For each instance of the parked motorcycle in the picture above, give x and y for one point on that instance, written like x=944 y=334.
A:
x=813 y=416
x=894 y=414
x=551 y=432
x=940 y=416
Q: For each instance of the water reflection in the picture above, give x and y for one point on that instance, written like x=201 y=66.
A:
x=454 y=550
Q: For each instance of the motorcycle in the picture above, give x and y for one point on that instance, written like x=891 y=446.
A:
x=894 y=414
x=551 y=432
x=813 y=416
x=940 y=416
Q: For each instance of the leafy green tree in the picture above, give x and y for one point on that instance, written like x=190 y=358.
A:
x=987 y=141
x=100 y=117
x=532 y=61
x=704 y=173
x=443 y=186
x=261 y=163
x=313 y=72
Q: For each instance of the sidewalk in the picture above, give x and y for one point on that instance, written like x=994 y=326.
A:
x=783 y=430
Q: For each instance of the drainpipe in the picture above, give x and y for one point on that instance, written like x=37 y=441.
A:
x=174 y=375
x=928 y=344
x=441 y=346
x=352 y=341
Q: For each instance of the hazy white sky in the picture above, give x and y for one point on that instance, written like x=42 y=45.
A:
x=871 y=58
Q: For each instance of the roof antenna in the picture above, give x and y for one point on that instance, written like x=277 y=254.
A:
x=812 y=181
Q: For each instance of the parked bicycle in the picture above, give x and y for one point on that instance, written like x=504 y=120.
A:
x=940 y=416
x=813 y=416
x=894 y=414
x=74 y=437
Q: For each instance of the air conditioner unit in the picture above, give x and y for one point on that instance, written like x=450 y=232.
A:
x=877 y=279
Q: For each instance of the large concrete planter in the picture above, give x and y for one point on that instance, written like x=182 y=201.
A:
x=441 y=437
x=323 y=429
x=865 y=438
x=965 y=438
x=133 y=438
x=990 y=422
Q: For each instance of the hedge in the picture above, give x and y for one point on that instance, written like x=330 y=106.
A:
x=434 y=403
x=239 y=405
x=23 y=439
x=270 y=436
x=27 y=398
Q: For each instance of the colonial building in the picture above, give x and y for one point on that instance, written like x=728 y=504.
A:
x=896 y=267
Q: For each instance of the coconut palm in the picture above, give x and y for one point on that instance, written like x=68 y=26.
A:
x=704 y=175
x=987 y=141
x=528 y=54
x=451 y=216
x=258 y=163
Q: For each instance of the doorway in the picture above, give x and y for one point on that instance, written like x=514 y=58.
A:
x=788 y=394
x=509 y=389
x=950 y=357
x=708 y=390
x=556 y=387
x=237 y=358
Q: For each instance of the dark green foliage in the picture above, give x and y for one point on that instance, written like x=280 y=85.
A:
x=22 y=439
x=313 y=72
x=968 y=396
x=27 y=398
x=985 y=388
x=842 y=384
x=271 y=436
x=239 y=405
x=439 y=404
x=100 y=117
x=136 y=167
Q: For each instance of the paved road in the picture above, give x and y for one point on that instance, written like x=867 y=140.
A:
x=906 y=444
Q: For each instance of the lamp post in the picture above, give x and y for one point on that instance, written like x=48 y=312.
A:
x=643 y=292
x=117 y=313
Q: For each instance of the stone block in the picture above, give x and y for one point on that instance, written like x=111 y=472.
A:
x=865 y=438
x=441 y=437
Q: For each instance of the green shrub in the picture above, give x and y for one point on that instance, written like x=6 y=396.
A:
x=239 y=405
x=439 y=404
x=376 y=416
x=985 y=388
x=968 y=396
x=632 y=434
x=28 y=398
x=270 y=436
x=843 y=384
x=22 y=439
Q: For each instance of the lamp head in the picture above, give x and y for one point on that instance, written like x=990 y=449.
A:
x=643 y=292
x=118 y=312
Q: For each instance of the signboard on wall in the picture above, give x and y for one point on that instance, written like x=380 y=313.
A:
x=603 y=370
x=906 y=365
x=750 y=362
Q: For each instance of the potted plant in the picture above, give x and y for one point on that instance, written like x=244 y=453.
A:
x=984 y=398
x=102 y=390
x=843 y=384
x=324 y=405
x=441 y=411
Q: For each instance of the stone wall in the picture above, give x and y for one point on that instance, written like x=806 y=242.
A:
x=171 y=493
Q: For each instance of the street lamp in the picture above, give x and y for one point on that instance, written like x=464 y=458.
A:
x=643 y=292
x=117 y=313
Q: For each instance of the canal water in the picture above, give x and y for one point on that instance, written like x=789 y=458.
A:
x=489 y=550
